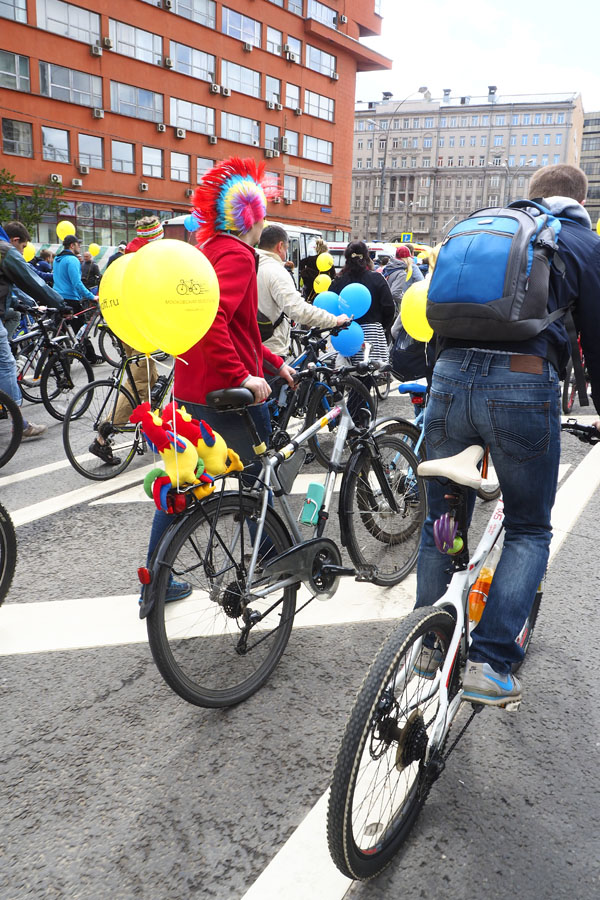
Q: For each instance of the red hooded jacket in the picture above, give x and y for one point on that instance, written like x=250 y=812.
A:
x=231 y=350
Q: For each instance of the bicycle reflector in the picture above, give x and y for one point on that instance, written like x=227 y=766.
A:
x=179 y=503
x=144 y=575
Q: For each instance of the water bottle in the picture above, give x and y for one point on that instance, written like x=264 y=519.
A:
x=480 y=589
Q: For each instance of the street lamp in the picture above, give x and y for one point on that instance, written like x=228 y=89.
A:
x=511 y=174
x=421 y=90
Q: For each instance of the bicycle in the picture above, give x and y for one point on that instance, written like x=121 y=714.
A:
x=569 y=388
x=11 y=428
x=8 y=552
x=394 y=745
x=245 y=561
x=102 y=408
x=414 y=433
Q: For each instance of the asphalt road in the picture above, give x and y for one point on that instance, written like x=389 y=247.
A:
x=114 y=787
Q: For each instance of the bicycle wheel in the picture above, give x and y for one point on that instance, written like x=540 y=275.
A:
x=11 y=428
x=526 y=633
x=110 y=347
x=8 y=552
x=92 y=412
x=380 y=780
x=321 y=400
x=377 y=537
x=383 y=384
x=490 y=488
x=29 y=377
x=64 y=375
x=197 y=643
x=408 y=432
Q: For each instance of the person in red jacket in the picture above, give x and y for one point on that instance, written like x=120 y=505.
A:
x=230 y=204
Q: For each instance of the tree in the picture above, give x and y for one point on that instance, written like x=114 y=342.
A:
x=29 y=210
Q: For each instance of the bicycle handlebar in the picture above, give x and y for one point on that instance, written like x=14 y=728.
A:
x=589 y=434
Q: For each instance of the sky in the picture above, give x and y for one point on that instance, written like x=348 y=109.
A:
x=521 y=46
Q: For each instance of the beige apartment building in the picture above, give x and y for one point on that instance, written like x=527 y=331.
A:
x=421 y=164
x=590 y=163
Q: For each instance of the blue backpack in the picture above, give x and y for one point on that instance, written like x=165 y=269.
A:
x=491 y=277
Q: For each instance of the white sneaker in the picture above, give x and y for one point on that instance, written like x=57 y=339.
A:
x=482 y=684
x=33 y=431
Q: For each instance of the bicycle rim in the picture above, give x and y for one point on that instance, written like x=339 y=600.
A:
x=64 y=375
x=110 y=347
x=321 y=401
x=92 y=408
x=11 y=428
x=378 y=536
x=380 y=780
x=195 y=642
x=8 y=552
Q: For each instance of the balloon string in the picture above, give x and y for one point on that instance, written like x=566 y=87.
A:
x=175 y=431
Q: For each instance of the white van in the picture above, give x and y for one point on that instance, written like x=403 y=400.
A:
x=301 y=239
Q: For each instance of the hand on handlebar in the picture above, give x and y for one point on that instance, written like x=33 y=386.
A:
x=343 y=319
x=288 y=373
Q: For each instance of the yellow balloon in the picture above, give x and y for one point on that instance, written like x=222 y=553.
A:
x=172 y=294
x=598 y=227
x=94 y=249
x=321 y=283
x=324 y=262
x=28 y=251
x=412 y=312
x=64 y=228
x=113 y=306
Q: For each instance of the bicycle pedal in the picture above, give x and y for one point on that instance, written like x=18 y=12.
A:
x=512 y=705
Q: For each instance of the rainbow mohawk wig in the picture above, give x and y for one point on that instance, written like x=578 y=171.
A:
x=232 y=197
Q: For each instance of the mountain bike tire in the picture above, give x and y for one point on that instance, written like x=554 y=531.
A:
x=64 y=375
x=195 y=641
x=377 y=537
x=526 y=634
x=382 y=753
x=8 y=552
x=11 y=428
x=321 y=401
x=110 y=347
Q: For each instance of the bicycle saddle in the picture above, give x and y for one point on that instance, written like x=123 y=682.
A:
x=461 y=468
x=412 y=387
x=230 y=398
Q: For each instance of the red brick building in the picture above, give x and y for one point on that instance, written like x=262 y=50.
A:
x=127 y=104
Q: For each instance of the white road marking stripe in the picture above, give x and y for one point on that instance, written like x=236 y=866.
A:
x=303 y=864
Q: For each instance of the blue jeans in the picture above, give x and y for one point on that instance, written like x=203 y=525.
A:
x=477 y=399
x=232 y=428
x=8 y=369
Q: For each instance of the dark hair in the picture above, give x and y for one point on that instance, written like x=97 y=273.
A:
x=271 y=236
x=357 y=259
x=45 y=254
x=17 y=229
x=559 y=181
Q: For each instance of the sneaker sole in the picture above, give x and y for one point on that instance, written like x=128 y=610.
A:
x=509 y=703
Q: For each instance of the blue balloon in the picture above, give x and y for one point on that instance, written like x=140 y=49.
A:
x=355 y=299
x=191 y=223
x=350 y=340
x=328 y=300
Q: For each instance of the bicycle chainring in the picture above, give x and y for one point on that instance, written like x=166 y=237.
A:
x=322 y=583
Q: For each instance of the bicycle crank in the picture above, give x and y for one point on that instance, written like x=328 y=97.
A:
x=317 y=563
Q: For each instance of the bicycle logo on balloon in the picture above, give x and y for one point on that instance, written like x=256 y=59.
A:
x=188 y=287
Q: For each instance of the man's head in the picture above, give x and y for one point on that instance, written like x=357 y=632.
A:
x=559 y=181
x=87 y=256
x=46 y=255
x=73 y=243
x=17 y=235
x=275 y=239
x=122 y=246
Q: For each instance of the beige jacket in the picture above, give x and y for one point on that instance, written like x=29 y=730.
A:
x=276 y=294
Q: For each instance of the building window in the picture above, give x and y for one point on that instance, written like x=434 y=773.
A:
x=202 y=11
x=498 y=140
x=482 y=160
x=537 y=119
x=473 y=141
x=474 y=120
x=15 y=10
x=293 y=138
x=318 y=105
x=524 y=140
x=451 y=141
x=526 y=119
x=91 y=152
x=359 y=163
x=556 y=159
x=272 y=137
x=320 y=150
x=292 y=96
x=240 y=129
x=535 y=140
x=316 y=191
x=450 y=161
x=14 y=71
x=190 y=61
x=452 y=121
x=17 y=138
x=427 y=142
x=68 y=20
x=513 y=140
x=534 y=160
x=70 y=85
x=122 y=157
x=514 y=119
x=440 y=161
x=295 y=47
x=274 y=40
x=273 y=89
x=55 y=144
x=428 y=121
x=135 y=42
x=426 y=162
x=461 y=141
x=441 y=141
x=290 y=187
x=499 y=120
x=239 y=78
x=129 y=100
x=560 y=118
x=241 y=27
x=203 y=164
x=483 y=141
x=319 y=61
x=511 y=160
x=180 y=166
x=192 y=116
x=321 y=13
x=152 y=162
x=546 y=139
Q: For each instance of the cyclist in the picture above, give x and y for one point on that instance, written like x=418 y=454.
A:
x=231 y=205
x=15 y=271
x=68 y=283
x=507 y=395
